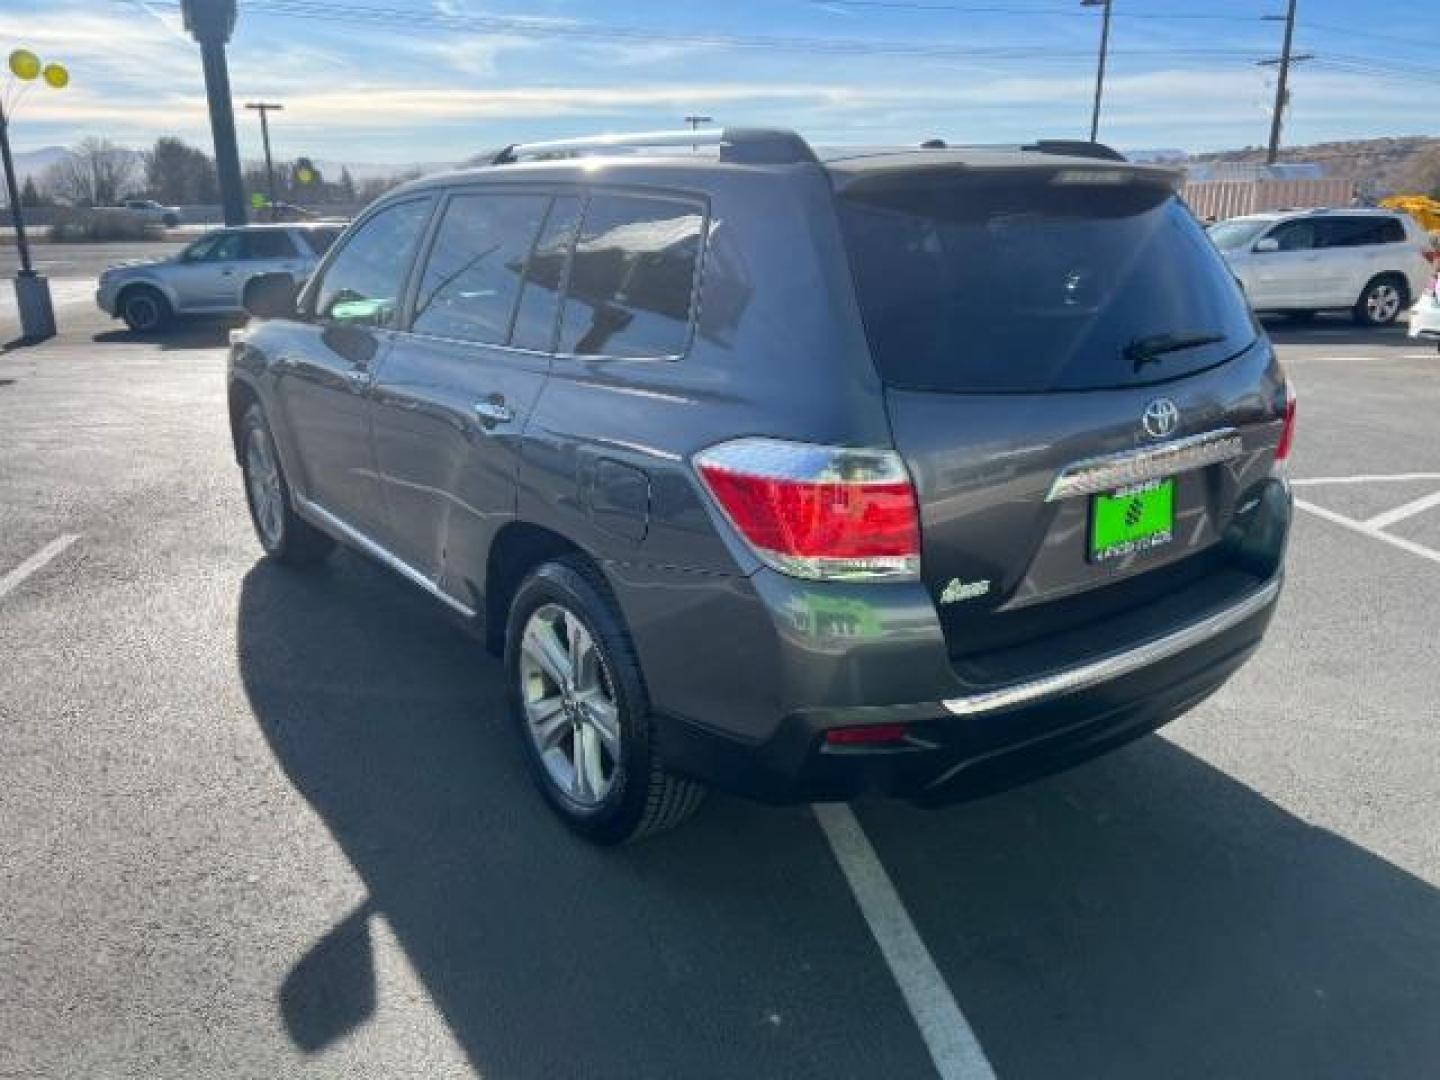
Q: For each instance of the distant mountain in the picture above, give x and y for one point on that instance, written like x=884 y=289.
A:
x=31 y=163
x=1377 y=166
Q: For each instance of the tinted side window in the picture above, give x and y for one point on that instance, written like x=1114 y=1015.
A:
x=269 y=244
x=545 y=276
x=632 y=281
x=1391 y=231
x=363 y=285
x=1295 y=235
x=472 y=278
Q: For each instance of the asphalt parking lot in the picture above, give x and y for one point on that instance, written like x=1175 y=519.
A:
x=263 y=823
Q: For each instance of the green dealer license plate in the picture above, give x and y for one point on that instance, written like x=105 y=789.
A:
x=1132 y=519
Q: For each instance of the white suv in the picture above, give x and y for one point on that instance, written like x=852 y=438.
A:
x=1371 y=262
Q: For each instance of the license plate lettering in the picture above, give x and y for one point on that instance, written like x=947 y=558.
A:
x=1133 y=519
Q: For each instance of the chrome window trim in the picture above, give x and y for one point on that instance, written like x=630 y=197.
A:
x=1095 y=475
x=323 y=518
x=1084 y=676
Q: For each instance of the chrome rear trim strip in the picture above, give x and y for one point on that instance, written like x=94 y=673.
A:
x=1113 y=666
x=1113 y=471
x=318 y=515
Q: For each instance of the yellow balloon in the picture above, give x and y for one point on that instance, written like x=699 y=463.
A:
x=56 y=76
x=25 y=64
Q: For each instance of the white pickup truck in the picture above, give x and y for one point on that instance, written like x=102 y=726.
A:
x=150 y=212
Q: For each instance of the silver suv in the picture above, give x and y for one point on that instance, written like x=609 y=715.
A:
x=917 y=471
x=210 y=276
x=1372 y=263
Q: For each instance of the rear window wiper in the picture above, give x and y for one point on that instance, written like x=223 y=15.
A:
x=1145 y=350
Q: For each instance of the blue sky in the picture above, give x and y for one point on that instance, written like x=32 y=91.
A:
x=436 y=80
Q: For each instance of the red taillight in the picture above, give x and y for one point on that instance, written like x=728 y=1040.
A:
x=817 y=511
x=1287 y=433
x=865 y=736
x=1432 y=256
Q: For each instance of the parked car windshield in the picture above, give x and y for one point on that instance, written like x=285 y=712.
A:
x=1028 y=280
x=1237 y=234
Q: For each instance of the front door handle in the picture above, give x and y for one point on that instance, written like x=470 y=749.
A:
x=493 y=410
x=360 y=379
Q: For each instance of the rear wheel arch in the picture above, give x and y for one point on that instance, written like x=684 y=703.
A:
x=518 y=548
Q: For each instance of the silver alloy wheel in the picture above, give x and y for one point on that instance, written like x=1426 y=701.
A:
x=142 y=312
x=1383 y=303
x=570 y=708
x=266 y=498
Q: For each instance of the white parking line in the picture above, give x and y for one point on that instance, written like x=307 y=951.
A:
x=1391 y=478
x=16 y=577
x=1365 y=529
x=1400 y=513
x=953 y=1047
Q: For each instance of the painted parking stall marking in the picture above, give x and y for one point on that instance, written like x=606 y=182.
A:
x=952 y=1044
x=1376 y=525
x=17 y=577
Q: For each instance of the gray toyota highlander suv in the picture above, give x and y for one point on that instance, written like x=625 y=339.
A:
x=909 y=471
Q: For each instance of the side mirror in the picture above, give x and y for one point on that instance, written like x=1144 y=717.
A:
x=1269 y=243
x=271 y=296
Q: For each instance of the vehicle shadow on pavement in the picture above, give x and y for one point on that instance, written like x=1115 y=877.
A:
x=184 y=335
x=1147 y=915
x=720 y=949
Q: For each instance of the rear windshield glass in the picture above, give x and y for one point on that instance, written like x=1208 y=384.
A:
x=1033 y=280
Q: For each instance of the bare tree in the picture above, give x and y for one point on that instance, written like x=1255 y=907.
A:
x=95 y=172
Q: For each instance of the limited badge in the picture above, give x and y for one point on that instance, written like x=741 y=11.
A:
x=958 y=590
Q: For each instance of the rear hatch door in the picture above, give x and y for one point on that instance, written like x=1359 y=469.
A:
x=1074 y=379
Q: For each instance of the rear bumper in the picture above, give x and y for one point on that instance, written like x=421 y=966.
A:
x=961 y=748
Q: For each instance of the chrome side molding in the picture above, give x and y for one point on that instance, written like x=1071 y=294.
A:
x=1094 y=475
x=323 y=519
x=1083 y=676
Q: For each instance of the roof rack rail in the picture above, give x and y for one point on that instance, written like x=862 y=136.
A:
x=744 y=146
x=1075 y=148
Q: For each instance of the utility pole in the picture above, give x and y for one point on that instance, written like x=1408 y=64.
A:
x=695 y=122
x=263 y=108
x=1100 y=66
x=1282 y=83
x=211 y=22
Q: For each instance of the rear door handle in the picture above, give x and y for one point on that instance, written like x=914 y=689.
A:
x=493 y=410
x=360 y=379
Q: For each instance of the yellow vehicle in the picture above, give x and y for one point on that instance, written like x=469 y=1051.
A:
x=1422 y=208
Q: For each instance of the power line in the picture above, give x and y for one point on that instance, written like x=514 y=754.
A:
x=519 y=26
x=1047 y=12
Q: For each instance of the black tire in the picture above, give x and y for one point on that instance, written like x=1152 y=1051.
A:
x=145 y=310
x=286 y=537
x=1382 y=300
x=642 y=798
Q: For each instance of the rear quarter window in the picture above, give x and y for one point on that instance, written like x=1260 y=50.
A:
x=633 y=277
x=1015 y=281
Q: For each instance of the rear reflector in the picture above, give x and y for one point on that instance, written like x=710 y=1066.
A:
x=1287 y=433
x=865 y=736
x=820 y=512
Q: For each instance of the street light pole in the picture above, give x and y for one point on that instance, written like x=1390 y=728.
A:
x=1100 y=67
x=32 y=290
x=12 y=191
x=210 y=22
x=264 y=108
